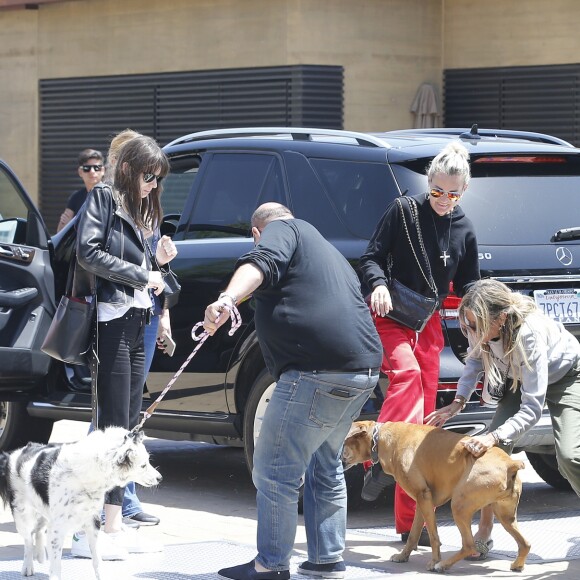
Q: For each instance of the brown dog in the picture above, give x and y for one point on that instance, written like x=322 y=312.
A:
x=433 y=467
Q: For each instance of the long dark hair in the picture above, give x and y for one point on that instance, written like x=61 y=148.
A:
x=137 y=156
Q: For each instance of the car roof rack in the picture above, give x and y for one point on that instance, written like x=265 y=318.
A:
x=295 y=133
x=476 y=133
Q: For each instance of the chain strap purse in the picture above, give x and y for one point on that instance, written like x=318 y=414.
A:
x=410 y=308
x=170 y=295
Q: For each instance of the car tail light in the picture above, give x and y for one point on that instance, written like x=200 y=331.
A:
x=447 y=386
x=450 y=307
x=521 y=159
x=453 y=387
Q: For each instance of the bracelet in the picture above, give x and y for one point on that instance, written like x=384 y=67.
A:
x=234 y=299
x=495 y=436
x=461 y=400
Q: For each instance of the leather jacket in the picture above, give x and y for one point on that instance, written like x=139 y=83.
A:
x=110 y=247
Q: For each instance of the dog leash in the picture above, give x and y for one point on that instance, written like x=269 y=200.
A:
x=200 y=339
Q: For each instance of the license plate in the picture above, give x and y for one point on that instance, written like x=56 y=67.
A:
x=561 y=305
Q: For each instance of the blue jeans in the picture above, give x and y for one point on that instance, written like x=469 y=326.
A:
x=131 y=503
x=304 y=427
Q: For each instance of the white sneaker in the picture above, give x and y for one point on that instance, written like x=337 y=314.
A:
x=109 y=549
x=133 y=542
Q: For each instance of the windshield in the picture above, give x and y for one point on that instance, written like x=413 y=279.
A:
x=522 y=210
x=508 y=207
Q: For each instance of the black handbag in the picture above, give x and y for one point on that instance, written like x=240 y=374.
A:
x=170 y=295
x=411 y=308
x=70 y=334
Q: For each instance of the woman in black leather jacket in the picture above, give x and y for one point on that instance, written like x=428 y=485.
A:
x=111 y=248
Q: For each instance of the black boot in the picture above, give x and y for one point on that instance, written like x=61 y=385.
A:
x=376 y=480
x=424 y=539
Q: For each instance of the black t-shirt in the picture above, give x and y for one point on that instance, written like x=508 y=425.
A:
x=451 y=235
x=76 y=200
x=310 y=313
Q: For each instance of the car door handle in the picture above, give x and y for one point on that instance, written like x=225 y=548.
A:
x=7 y=253
x=16 y=298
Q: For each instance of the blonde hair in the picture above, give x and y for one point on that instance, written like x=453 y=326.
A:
x=452 y=160
x=116 y=143
x=487 y=300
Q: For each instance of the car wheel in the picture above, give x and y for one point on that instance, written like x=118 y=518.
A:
x=254 y=415
x=17 y=427
x=546 y=466
x=256 y=405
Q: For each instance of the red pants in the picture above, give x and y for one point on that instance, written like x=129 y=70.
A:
x=413 y=370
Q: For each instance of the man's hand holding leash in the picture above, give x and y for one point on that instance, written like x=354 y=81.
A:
x=244 y=281
x=214 y=313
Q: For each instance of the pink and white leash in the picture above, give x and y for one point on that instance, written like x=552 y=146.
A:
x=200 y=339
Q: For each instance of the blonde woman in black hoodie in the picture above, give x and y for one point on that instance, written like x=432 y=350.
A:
x=411 y=359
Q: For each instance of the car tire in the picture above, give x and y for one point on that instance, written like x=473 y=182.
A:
x=256 y=404
x=546 y=466
x=17 y=427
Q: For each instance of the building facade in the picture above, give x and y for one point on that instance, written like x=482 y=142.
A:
x=387 y=49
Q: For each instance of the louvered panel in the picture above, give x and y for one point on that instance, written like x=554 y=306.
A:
x=542 y=98
x=86 y=112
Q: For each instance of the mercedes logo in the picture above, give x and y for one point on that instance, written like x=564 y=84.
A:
x=564 y=255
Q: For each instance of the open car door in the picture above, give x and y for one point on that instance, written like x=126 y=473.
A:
x=26 y=287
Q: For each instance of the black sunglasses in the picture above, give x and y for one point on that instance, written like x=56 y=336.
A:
x=95 y=168
x=149 y=177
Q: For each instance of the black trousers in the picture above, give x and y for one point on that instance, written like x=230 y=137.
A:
x=120 y=376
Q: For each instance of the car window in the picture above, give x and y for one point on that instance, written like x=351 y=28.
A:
x=514 y=203
x=360 y=192
x=177 y=185
x=13 y=212
x=522 y=210
x=233 y=186
x=310 y=200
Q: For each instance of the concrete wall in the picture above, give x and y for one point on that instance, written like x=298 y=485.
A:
x=387 y=48
x=495 y=33
x=19 y=95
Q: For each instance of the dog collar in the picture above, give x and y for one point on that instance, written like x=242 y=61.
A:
x=375 y=443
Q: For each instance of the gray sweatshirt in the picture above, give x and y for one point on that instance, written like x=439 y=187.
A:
x=552 y=352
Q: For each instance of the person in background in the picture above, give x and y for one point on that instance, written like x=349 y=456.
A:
x=411 y=360
x=111 y=247
x=528 y=360
x=91 y=170
x=155 y=331
x=325 y=367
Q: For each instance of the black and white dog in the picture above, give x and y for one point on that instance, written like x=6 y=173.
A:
x=53 y=490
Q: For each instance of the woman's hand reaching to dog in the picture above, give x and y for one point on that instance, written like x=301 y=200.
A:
x=477 y=446
x=439 y=417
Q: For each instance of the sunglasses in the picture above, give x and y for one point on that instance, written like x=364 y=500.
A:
x=452 y=195
x=149 y=177
x=95 y=168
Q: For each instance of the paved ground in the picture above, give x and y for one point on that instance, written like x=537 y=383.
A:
x=207 y=509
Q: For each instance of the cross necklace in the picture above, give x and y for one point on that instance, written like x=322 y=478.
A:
x=444 y=256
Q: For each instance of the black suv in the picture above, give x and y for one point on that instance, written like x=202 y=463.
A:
x=523 y=200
